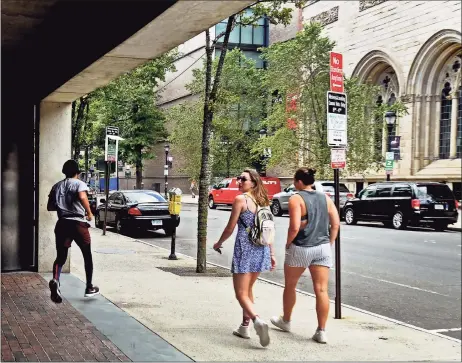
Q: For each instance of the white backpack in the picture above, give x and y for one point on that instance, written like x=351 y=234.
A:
x=263 y=231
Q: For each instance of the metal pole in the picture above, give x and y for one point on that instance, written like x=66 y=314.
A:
x=338 y=296
x=106 y=190
x=172 y=245
x=165 y=172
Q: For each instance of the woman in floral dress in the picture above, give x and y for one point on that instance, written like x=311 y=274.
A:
x=249 y=260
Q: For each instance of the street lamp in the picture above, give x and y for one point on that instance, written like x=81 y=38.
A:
x=167 y=149
x=390 y=119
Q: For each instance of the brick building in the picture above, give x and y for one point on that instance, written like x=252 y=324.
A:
x=411 y=47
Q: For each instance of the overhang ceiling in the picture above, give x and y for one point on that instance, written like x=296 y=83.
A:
x=61 y=50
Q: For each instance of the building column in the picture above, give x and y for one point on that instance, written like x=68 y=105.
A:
x=454 y=114
x=55 y=149
x=436 y=130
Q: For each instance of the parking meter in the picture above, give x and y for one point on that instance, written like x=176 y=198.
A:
x=174 y=208
x=174 y=201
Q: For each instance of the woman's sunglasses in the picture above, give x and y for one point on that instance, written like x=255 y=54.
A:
x=241 y=179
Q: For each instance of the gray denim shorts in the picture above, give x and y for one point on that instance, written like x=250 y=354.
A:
x=297 y=256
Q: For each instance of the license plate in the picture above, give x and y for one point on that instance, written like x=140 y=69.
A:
x=156 y=223
x=439 y=206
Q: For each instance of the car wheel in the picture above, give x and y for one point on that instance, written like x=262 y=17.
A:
x=98 y=222
x=212 y=204
x=350 y=218
x=276 y=208
x=398 y=221
x=440 y=227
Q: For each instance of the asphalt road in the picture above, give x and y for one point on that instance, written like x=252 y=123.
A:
x=413 y=275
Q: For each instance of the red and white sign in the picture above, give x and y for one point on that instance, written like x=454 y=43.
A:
x=338 y=158
x=336 y=72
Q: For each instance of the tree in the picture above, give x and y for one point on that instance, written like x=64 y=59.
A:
x=276 y=13
x=129 y=102
x=238 y=111
x=298 y=76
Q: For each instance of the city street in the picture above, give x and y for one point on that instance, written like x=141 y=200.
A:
x=412 y=276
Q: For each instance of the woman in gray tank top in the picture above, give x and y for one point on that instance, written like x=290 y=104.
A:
x=314 y=225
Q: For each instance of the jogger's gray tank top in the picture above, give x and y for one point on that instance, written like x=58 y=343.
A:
x=316 y=231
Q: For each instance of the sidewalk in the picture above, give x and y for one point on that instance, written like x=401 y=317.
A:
x=35 y=329
x=196 y=314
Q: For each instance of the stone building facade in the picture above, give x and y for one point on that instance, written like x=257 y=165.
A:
x=413 y=50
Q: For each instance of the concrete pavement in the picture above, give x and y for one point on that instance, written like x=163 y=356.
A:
x=196 y=314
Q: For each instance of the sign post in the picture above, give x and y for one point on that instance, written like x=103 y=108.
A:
x=389 y=161
x=110 y=156
x=337 y=139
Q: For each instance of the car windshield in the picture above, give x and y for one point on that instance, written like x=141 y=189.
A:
x=435 y=192
x=144 y=197
x=330 y=188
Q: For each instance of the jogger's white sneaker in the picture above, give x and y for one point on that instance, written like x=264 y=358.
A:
x=262 y=331
x=280 y=323
x=242 y=331
x=320 y=336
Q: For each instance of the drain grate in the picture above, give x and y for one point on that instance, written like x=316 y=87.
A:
x=191 y=271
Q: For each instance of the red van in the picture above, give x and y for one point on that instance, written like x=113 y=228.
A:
x=225 y=192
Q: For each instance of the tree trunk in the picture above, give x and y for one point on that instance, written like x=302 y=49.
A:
x=206 y=166
x=77 y=120
x=86 y=164
x=139 y=167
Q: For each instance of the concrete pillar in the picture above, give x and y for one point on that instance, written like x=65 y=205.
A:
x=55 y=149
x=436 y=129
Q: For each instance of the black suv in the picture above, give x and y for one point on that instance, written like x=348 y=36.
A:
x=399 y=204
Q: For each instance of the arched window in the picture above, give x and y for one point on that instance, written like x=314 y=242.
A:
x=459 y=125
x=445 y=122
x=450 y=132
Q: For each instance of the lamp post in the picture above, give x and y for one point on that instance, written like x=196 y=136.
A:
x=390 y=119
x=266 y=152
x=167 y=149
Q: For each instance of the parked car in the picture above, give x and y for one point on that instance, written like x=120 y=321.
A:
x=399 y=204
x=136 y=209
x=280 y=203
x=225 y=192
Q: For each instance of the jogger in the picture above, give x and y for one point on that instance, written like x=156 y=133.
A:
x=69 y=198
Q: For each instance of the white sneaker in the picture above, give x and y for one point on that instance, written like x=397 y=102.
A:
x=242 y=331
x=320 y=336
x=262 y=331
x=281 y=323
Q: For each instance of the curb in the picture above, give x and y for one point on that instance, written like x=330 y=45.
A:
x=398 y=322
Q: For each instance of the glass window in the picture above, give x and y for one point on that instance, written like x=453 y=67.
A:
x=144 y=197
x=459 y=125
x=435 y=191
x=259 y=35
x=234 y=37
x=445 y=123
x=112 y=197
x=330 y=188
x=402 y=190
x=255 y=56
x=220 y=28
x=369 y=192
x=224 y=183
x=246 y=34
x=383 y=191
x=118 y=199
